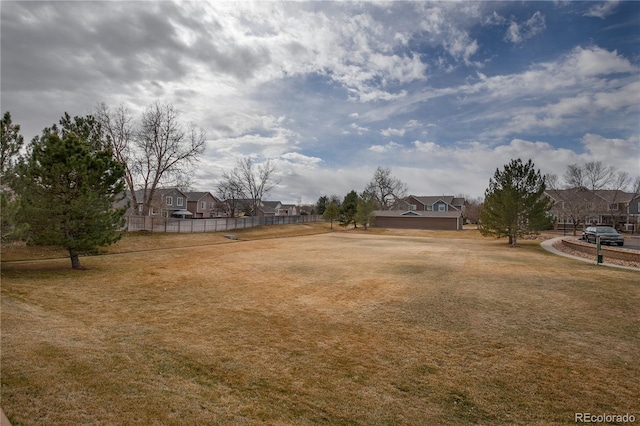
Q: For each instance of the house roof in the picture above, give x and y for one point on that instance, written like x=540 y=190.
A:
x=430 y=200
x=615 y=195
x=268 y=206
x=608 y=195
x=198 y=195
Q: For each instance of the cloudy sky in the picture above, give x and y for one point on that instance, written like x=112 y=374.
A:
x=443 y=93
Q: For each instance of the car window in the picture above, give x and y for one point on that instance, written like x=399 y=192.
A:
x=606 y=230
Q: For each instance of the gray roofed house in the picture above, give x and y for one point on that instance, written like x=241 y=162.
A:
x=424 y=212
x=577 y=207
x=204 y=205
x=432 y=203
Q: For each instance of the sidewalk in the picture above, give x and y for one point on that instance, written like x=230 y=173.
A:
x=548 y=246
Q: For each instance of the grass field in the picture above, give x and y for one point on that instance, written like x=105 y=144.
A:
x=375 y=327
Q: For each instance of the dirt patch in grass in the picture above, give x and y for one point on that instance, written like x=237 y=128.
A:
x=383 y=327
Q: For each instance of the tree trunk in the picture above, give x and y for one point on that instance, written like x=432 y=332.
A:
x=75 y=259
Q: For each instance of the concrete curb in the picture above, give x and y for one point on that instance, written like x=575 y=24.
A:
x=548 y=246
x=3 y=419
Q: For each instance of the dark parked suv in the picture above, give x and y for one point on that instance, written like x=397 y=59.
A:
x=607 y=235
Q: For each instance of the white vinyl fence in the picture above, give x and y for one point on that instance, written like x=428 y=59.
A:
x=158 y=224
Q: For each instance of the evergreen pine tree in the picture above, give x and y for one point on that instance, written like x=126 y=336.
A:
x=348 y=209
x=331 y=213
x=12 y=142
x=69 y=183
x=514 y=204
x=366 y=206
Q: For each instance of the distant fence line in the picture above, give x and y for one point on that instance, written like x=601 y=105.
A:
x=187 y=226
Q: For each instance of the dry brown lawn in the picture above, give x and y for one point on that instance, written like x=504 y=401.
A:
x=376 y=327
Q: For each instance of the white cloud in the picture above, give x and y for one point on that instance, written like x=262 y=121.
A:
x=461 y=46
x=519 y=32
x=245 y=70
x=430 y=147
x=359 y=130
x=380 y=149
x=392 y=132
x=602 y=10
x=616 y=152
x=295 y=158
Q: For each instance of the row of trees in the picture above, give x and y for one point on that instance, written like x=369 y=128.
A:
x=383 y=192
x=513 y=205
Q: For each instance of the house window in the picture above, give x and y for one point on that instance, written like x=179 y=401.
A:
x=613 y=207
x=180 y=201
x=429 y=208
x=442 y=207
x=413 y=207
x=211 y=205
x=169 y=201
x=203 y=205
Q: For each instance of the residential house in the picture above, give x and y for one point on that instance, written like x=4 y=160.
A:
x=204 y=205
x=273 y=208
x=423 y=212
x=166 y=202
x=579 y=207
x=435 y=203
x=170 y=202
x=286 y=210
x=268 y=208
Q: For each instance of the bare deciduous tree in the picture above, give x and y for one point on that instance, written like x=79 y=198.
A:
x=472 y=208
x=597 y=175
x=230 y=190
x=118 y=125
x=386 y=189
x=248 y=181
x=573 y=177
x=158 y=151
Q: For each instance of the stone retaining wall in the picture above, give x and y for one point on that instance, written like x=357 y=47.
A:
x=606 y=251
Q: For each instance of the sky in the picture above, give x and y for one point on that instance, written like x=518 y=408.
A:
x=443 y=93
